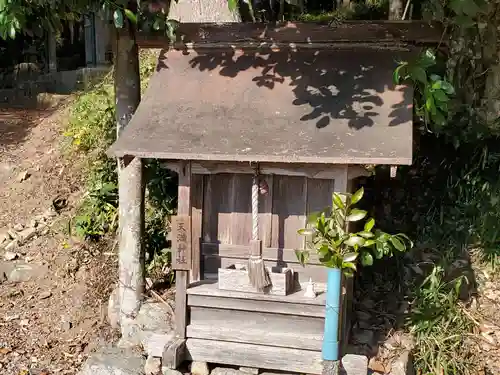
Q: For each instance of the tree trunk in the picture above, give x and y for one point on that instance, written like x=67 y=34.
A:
x=130 y=179
x=395 y=9
x=127 y=79
x=202 y=11
x=131 y=232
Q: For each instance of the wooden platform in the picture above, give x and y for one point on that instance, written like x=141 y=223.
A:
x=265 y=331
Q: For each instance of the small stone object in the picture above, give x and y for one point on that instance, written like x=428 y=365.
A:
x=4 y=236
x=310 y=293
x=25 y=272
x=23 y=176
x=11 y=246
x=153 y=366
x=18 y=227
x=9 y=256
x=66 y=324
x=27 y=234
x=45 y=295
x=199 y=368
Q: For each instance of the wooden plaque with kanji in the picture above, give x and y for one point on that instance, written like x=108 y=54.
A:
x=181 y=242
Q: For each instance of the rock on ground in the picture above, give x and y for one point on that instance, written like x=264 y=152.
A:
x=152 y=366
x=114 y=361
x=199 y=368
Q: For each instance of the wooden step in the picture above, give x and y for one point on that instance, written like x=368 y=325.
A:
x=206 y=294
x=248 y=334
x=251 y=355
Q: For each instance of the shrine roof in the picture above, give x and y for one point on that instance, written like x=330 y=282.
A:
x=307 y=105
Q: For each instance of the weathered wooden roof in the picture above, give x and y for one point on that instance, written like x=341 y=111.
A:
x=334 y=105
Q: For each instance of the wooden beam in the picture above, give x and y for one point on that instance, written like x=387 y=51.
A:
x=380 y=32
x=242 y=251
x=251 y=355
x=316 y=171
x=285 y=308
x=289 y=338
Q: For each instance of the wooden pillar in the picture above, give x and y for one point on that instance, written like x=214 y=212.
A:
x=174 y=355
x=131 y=231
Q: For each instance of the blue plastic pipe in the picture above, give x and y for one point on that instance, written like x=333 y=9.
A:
x=330 y=349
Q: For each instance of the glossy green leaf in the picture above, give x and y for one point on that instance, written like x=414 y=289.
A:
x=448 y=88
x=370 y=223
x=397 y=72
x=356 y=215
x=397 y=244
x=350 y=257
x=366 y=258
x=366 y=234
x=427 y=59
x=441 y=96
x=302 y=256
x=429 y=104
x=130 y=15
x=357 y=196
x=337 y=201
x=12 y=32
x=306 y=231
x=355 y=241
x=118 y=18
x=419 y=74
x=369 y=243
x=404 y=237
x=378 y=251
x=349 y=265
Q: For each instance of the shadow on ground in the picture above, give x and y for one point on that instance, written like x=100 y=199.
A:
x=19 y=118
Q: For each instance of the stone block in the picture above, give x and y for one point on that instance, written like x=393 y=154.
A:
x=199 y=368
x=114 y=361
x=354 y=364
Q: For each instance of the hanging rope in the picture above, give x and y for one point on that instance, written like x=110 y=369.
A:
x=255 y=206
x=257 y=272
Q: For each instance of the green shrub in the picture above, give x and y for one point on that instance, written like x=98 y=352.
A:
x=91 y=130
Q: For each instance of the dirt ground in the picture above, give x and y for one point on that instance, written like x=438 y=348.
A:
x=53 y=295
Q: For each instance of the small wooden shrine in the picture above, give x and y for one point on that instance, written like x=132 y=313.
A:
x=299 y=109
